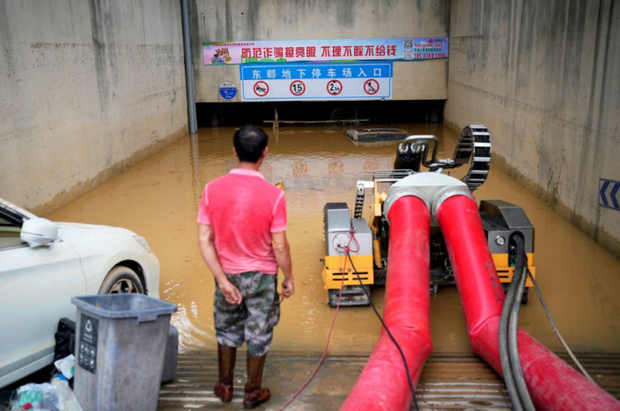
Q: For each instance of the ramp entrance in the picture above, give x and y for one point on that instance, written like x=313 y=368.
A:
x=454 y=381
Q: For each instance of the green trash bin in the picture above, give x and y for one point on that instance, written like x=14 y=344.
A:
x=120 y=346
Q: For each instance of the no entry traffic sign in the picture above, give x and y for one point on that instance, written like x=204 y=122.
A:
x=261 y=89
x=371 y=87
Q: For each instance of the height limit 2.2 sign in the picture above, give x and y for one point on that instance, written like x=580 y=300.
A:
x=317 y=81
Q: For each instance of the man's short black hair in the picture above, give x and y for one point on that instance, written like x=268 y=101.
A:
x=250 y=142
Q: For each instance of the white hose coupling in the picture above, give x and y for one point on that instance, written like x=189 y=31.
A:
x=397 y=192
x=445 y=193
x=431 y=187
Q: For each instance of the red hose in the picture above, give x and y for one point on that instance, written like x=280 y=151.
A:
x=552 y=383
x=383 y=384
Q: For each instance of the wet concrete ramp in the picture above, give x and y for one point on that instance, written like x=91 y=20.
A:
x=448 y=381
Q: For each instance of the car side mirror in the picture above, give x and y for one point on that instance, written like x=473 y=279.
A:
x=38 y=232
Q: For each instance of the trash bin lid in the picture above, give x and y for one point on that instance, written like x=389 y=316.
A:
x=139 y=306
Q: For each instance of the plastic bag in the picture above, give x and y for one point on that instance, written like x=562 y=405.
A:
x=67 y=399
x=30 y=397
x=66 y=366
x=56 y=396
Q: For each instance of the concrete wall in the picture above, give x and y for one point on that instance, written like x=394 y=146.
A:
x=544 y=77
x=238 y=20
x=87 y=88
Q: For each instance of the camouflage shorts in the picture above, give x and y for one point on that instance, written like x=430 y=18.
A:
x=253 y=320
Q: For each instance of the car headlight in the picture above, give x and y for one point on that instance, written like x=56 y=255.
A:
x=143 y=242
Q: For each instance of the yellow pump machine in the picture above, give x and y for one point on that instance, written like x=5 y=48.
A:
x=369 y=244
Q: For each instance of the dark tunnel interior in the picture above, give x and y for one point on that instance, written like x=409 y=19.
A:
x=375 y=112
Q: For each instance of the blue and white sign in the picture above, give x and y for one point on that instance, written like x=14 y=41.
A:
x=608 y=193
x=317 y=81
x=228 y=90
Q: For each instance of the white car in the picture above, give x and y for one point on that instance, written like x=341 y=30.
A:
x=43 y=264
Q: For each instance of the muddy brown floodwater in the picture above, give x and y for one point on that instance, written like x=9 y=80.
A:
x=159 y=199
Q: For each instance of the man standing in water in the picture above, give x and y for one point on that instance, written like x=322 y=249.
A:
x=242 y=238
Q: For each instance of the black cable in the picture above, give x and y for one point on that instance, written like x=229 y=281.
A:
x=513 y=373
x=513 y=326
x=508 y=333
x=504 y=355
x=555 y=328
x=402 y=355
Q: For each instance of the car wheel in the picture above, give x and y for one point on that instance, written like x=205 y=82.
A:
x=121 y=280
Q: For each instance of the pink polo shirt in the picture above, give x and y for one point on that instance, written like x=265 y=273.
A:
x=243 y=209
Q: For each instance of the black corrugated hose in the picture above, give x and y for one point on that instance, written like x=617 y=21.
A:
x=508 y=332
x=503 y=345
